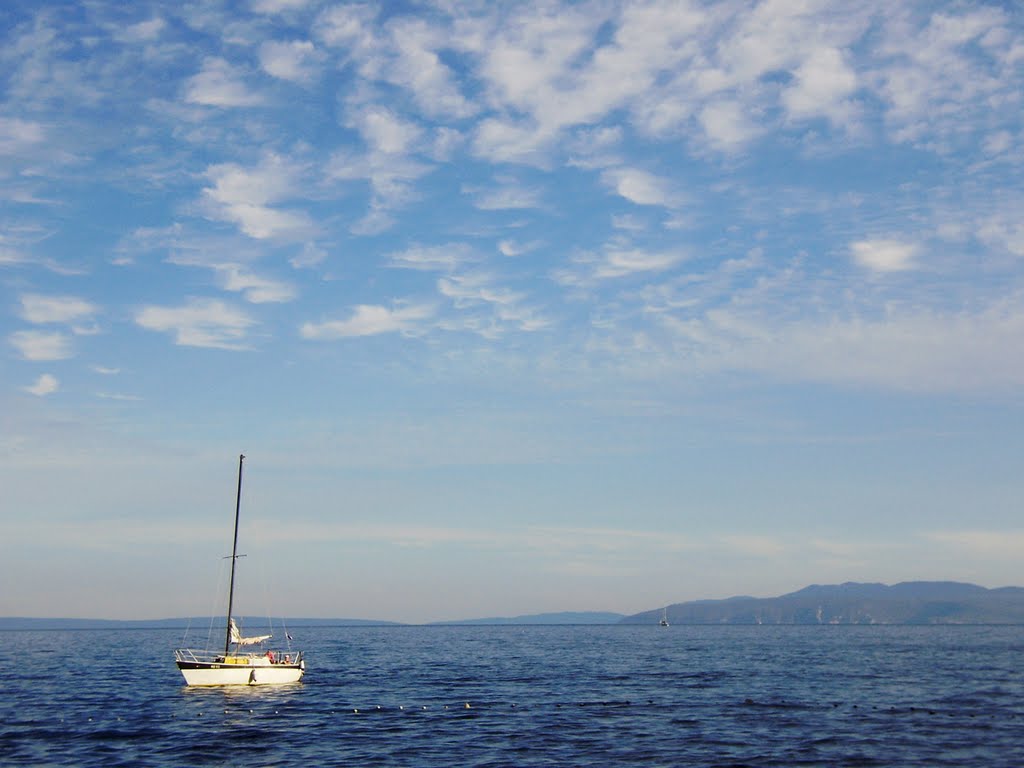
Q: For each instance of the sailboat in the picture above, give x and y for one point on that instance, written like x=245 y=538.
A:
x=237 y=665
x=664 y=618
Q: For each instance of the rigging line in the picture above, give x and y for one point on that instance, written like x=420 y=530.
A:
x=216 y=601
x=287 y=636
x=264 y=586
x=266 y=595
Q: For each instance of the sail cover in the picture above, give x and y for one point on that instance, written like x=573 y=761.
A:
x=237 y=639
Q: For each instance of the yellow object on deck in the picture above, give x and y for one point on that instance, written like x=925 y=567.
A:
x=236 y=660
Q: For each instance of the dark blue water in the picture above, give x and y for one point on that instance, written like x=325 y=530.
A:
x=537 y=696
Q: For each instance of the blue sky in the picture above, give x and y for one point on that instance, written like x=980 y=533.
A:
x=514 y=307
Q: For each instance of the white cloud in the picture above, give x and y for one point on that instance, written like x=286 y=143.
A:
x=527 y=55
x=371 y=320
x=143 y=31
x=10 y=258
x=549 y=69
x=218 y=84
x=346 y=26
x=639 y=187
x=884 y=255
x=726 y=125
x=271 y=181
x=39 y=309
x=823 y=84
x=17 y=135
x=199 y=323
x=245 y=196
x=629 y=223
x=231 y=276
x=597 y=147
x=500 y=140
x=778 y=36
x=504 y=307
x=443 y=258
x=619 y=262
x=45 y=385
x=386 y=132
x=934 y=81
x=310 y=256
x=1003 y=230
x=544 y=64
x=412 y=62
x=999 y=142
x=256 y=289
x=618 y=259
x=445 y=143
x=271 y=7
x=262 y=222
x=296 y=61
x=29 y=62
x=516 y=248
x=505 y=197
x=41 y=345
x=472 y=289
x=654 y=43
x=390 y=172
x=118 y=396
x=906 y=350
x=374 y=222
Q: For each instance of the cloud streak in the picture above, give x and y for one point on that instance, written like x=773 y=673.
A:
x=41 y=345
x=371 y=320
x=55 y=309
x=199 y=323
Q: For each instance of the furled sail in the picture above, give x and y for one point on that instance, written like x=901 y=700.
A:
x=237 y=639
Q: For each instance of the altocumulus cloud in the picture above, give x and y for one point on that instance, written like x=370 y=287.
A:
x=45 y=385
x=371 y=320
x=218 y=84
x=42 y=345
x=40 y=309
x=199 y=323
x=884 y=255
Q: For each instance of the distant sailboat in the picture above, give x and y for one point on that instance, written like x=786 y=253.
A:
x=235 y=666
x=664 y=618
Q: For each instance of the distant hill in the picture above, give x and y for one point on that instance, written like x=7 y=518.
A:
x=565 y=617
x=912 y=602
x=196 y=623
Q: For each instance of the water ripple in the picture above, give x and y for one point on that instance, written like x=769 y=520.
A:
x=537 y=696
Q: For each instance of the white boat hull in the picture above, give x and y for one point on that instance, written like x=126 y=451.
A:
x=239 y=670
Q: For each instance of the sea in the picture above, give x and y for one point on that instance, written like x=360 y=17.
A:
x=529 y=696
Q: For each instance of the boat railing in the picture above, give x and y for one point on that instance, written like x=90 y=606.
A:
x=201 y=657
x=192 y=655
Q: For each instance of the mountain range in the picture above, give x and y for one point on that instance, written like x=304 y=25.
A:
x=912 y=602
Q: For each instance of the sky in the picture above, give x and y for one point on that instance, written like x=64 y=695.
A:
x=512 y=307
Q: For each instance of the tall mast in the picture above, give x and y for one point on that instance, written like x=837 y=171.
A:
x=234 y=557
